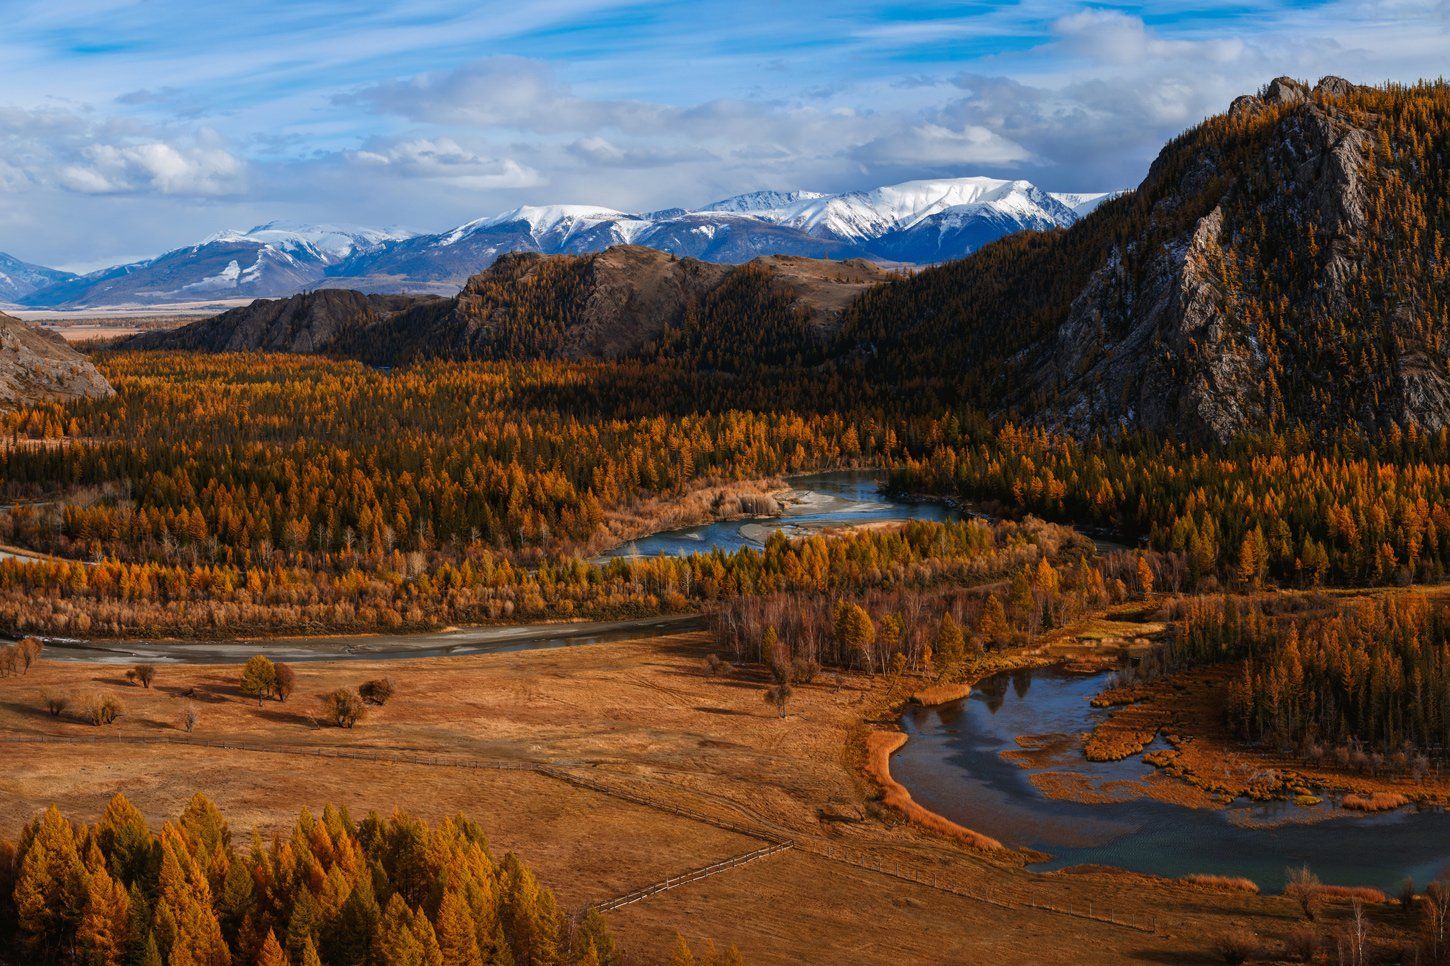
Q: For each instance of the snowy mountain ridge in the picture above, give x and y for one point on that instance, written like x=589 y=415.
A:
x=915 y=222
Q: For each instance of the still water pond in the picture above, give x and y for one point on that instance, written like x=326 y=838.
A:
x=953 y=765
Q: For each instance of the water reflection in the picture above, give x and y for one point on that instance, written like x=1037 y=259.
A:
x=954 y=765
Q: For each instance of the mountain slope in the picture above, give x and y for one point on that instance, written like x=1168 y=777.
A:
x=38 y=366
x=1280 y=264
x=627 y=302
x=271 y=259
x=303 y=323
x=19 y=279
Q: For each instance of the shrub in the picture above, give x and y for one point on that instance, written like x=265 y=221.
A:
x=376 y=692
x=55 y=704
x=804 y=670
x=1339 y=893
x=1222 y=883
x=344 y=708
x=142 y=674
x=1236 y=946
x=717 y=666
x=103 y=709
x=1375 y=801
x=1301 y=944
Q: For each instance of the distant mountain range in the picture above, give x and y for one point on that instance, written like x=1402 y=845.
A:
x=918 y=222
x=19 y=279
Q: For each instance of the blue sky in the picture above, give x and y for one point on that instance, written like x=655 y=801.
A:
x=128 y=127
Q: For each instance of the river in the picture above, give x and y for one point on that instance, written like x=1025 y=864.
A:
x=822 y=500
x=953 y=765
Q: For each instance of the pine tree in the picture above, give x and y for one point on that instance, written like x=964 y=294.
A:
x=126 y=841
x=457 y=932
x=992 y=627
x=103 y=936
x=405 y=937
x=950 y=645
x=50 y=887
x=186 y=927
x=681 y=955
x=271 y=953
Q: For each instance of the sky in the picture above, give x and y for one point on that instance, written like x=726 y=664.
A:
x=131 y=127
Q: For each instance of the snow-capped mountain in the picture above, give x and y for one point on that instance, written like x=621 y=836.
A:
x=272 y=259
x=757 y=201
x=18 y=279
x=917 y=222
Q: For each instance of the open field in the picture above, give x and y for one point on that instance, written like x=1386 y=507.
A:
x=608 y=768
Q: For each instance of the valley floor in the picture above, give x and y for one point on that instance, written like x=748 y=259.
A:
x=609 y=768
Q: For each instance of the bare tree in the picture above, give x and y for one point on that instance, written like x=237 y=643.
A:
x=1303 y=888
x=778 y=695
x=1354 y=940
x=189 y=718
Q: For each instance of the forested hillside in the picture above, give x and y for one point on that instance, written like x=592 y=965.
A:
x=1282 y=263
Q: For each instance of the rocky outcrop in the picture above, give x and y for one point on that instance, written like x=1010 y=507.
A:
x=1178 y=356
x=1279 y=266
x=38 y=366
x=616 y=304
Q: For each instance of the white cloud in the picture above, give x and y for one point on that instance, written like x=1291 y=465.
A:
x=201 y=168
x=1115 y=38
x=84 y=153
x=444 y=159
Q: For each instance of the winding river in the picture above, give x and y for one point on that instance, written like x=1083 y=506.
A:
x=953 y=764
x=823 y=500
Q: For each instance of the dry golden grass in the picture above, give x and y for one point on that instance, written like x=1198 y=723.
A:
x=1339 y=893
x=879 y=747
x=639 y=717
x=1221 y=883
x=1375 y=801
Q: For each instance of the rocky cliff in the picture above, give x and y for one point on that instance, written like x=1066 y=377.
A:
x=38 y=366
x=1282 y=264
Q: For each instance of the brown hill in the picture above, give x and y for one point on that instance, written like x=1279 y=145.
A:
x=303 y=323
x=39 y=366
x=625 y=302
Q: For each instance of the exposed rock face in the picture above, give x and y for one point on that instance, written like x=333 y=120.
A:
x=38 y=366
x=1178 y=356
x=303 y=323
x=1276 y=268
